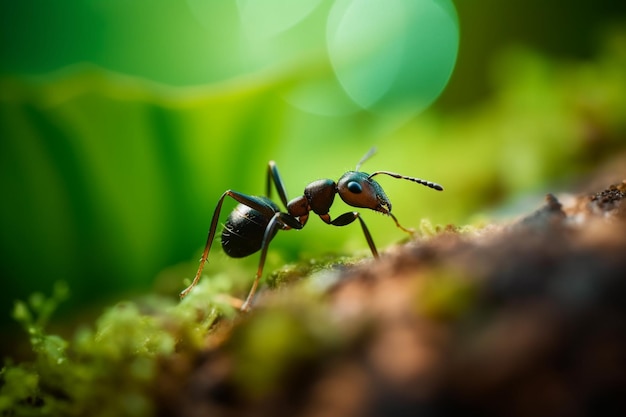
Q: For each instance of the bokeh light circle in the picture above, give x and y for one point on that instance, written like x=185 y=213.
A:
x=393 y=53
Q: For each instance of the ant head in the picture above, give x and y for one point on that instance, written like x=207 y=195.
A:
x=359 y=190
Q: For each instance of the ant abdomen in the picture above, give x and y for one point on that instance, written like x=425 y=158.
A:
x=244 y=229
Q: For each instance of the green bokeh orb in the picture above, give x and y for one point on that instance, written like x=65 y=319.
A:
x=390 y=54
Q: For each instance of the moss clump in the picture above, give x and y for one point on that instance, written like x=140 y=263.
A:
x=119 y=359
x=294 y=272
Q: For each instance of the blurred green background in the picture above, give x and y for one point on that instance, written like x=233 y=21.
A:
x=121 y=123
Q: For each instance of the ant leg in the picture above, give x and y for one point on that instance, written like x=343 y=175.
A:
x=239 y=197
x=409 y=231
x=347 y=218
x=272 y=174
x=278 y=220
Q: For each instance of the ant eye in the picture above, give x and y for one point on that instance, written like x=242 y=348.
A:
x=354 y=187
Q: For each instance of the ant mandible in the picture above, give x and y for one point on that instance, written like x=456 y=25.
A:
x=255 y=221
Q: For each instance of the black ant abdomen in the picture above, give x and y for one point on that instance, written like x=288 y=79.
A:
x=244 y=229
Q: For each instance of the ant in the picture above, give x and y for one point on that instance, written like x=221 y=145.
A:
x=256 y=219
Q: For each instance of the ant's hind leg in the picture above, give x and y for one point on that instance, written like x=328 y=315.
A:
x=207 y=246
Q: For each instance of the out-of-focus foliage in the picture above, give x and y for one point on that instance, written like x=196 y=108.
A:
x=119 y=358
x=385 y=56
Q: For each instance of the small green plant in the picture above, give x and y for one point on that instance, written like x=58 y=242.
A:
x=119 y=359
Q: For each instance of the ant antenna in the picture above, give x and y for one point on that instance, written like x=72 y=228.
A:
x=367 y=156
x=429 y=184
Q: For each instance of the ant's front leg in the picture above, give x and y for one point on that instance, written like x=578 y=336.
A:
x=347 y=218
x=404 y=229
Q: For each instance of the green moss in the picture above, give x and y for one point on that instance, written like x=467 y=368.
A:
x=294 y=272
x=118 y=358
